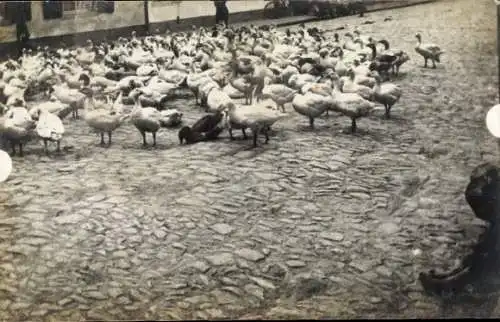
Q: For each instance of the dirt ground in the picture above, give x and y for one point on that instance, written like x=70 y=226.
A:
x=316 y=224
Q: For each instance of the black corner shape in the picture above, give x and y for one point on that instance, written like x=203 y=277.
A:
x=483 y=195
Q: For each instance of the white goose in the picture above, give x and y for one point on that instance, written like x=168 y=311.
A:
x=279 y=93
x=160 y=86
x=257 y=117
x=387 y=94
x=195 y=81
x=49 y=127
x=349 y=86
x=351 y=105
x=146 y=120
x=233 y=92
x=16 y=126
x=311 y=105
x=52 y=106
x=69 y=96
x=103 y=120
x=244 y=85
x=218 y=100
x=296 y=81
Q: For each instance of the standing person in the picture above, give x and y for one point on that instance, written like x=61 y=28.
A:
x=18 y=14
x=221 y=12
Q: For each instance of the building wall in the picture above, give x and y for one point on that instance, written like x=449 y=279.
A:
x=168 y=10
x=127 y=13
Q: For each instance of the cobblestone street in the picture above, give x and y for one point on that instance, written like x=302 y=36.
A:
x=315 y=224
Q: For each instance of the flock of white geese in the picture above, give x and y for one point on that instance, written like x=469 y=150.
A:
x=243 y=78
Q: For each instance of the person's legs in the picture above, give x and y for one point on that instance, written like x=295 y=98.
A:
x=217 y=15
x=22 y=35
x=25 y=31
x=19 y=36
x=19 y=32
x=226 y=16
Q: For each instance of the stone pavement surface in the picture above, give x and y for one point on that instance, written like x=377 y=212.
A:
x=315 y=224
x=280 y=22
x=292 y=20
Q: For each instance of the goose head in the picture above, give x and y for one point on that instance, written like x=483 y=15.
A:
x=373 y=48
x=385 y=43
x=349 y=35
x=377 y=78
x=87 y=92
x=90 y=44
x=359 y=42
x=35 y=113
x=135 y=93
x=19 y=102
x=10 y=65
x=323 y=52
x=404 y=58
x=185 y=135
x=351 y=74
x=419 y=37
x=84 y=79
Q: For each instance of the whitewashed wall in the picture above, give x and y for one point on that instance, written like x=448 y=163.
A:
x=168 y=10
x=127 y=13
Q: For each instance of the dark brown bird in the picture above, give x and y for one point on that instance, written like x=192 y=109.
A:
x=205 y=129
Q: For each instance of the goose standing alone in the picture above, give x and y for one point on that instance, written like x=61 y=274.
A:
x=428 y=51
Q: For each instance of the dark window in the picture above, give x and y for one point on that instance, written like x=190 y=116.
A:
x=57 y=9
x=105 y=6
x=52 y=9
x=69 y=5
x=14 y=11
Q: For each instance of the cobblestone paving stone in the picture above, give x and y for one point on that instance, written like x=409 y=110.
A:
x=315 y=224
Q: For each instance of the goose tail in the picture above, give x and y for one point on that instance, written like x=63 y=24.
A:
x=125 y=117
x=170 y=118
x=183 y=83
x=438 y=56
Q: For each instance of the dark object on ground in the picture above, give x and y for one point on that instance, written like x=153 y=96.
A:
x=329 y=8
x=483 y=195
x=207 y=123
x=275 y=9
x=368 y=22
x=187 y=135
x=206 y=128
x=388 y=19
